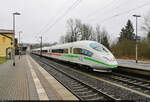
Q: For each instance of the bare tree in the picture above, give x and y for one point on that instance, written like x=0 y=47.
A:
x=146 y=25
x=98 y=34
x=104 y=38
x=78 y=29
x=87 y=31
x=68 y=38
x=93 y=36
x=74 y=27
x=71 y=29
x=62 y=40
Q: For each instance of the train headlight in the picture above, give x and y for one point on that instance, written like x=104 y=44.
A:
x=109 y=59
x=106 y=58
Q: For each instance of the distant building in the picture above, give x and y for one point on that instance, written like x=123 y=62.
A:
x=6 y=42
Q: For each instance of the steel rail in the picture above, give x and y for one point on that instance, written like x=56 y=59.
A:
x=138 y=83
x=108 y=97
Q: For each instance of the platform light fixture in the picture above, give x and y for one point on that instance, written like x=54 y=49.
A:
x=19 y=44
x=14 y=14
x=136 y=16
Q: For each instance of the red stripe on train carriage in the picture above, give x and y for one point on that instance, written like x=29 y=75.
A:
x=56 y=54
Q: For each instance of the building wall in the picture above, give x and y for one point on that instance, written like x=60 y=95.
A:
x=5 y=43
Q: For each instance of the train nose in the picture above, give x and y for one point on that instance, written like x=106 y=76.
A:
x=110 y=58
x=115 y=62
x=111 y=61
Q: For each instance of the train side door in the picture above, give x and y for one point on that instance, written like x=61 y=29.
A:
x=78 y=52
x=71 y=52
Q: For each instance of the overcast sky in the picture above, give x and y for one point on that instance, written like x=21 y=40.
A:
x=37 y=16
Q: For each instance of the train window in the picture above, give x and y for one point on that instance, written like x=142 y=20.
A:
x=86 y=52
x=54 y=51
x=65 y=51
x=44 y=50
x=82 y=52
x=99 y=47
x=77 y=51
x=60 y=51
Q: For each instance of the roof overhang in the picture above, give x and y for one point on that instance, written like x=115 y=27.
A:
x=4 y=31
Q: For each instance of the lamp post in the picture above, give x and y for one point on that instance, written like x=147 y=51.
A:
x=136 y=16
x=14 y=14
x=41 y=46
x=19 y=44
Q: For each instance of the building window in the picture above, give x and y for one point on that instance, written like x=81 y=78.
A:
x=3 y=39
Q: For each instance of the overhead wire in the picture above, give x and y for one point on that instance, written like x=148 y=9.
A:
x=138 y=7
x=52 y=18
x=77 y=2
x=104 y=13
x=99 y=9
x=74 y=5
x=121 y=13
x=108 y=11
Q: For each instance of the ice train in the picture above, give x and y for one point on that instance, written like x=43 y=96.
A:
x=87 y=53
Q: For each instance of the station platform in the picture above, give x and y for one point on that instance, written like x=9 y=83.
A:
x=141 y=65
x=28 y=81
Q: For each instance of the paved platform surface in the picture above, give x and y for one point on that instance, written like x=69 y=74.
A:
x=28 y=81
x=14 y=84
x=143 y=65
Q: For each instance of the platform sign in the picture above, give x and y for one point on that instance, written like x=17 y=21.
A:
x=138 y=38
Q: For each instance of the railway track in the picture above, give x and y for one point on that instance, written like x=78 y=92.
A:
x=79 y=88
x=108 y=89
x=132 y=82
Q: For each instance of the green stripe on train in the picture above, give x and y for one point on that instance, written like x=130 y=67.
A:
x=71 y=56
x=90 y=59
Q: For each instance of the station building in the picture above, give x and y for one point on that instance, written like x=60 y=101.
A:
x=6 y=42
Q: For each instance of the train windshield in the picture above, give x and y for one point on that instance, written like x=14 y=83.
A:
x=99 y=47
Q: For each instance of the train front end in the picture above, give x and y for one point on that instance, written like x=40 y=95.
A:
x=104 y=59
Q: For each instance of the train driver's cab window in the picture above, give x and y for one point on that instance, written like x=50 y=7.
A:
x=82 y=52
x=86 y=52
x=99 y=47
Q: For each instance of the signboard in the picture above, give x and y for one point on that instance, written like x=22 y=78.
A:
x=138 y=38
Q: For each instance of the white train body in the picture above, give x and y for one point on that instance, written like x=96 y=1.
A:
x=88 y=53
